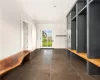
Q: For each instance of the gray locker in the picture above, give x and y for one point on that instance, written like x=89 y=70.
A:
x=69 y=32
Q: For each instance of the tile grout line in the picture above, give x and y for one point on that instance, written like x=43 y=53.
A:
x=22 y=73
x=38 y=72
x=50 y=69
x=77 y=72
x=37 y=75
x=50 y=73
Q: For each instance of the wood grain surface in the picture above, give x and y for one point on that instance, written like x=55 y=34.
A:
x=84 y=56
x=13 y=61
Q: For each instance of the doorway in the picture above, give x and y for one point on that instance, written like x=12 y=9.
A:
x=47 y=38
x=25 y=35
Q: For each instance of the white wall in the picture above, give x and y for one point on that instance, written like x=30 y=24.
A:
x=11 y=14
x=34 y=41
x=58 y=29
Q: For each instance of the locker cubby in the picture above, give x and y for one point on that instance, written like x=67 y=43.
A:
x=81 y=34
x=80 y=5
x=93 y=1
x=85 y=33
x=90 y=1
x=73 y=34
x=73 y=12
x=93 y=31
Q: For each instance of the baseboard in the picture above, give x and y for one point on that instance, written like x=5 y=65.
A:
x=60 y=48
x=46 y=48
x=52 y=48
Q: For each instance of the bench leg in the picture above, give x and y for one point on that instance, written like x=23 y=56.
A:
x=92 y=69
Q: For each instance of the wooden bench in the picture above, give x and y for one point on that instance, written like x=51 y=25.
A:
x=13 y=61
x=84 y=56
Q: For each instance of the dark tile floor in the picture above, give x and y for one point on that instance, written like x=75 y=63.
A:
x=49 y=64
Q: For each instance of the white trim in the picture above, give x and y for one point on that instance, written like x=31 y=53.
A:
x=29 y=14
x=21 y=31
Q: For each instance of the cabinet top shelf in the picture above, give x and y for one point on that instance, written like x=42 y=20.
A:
x=72 y=8
x=82 y=10
x=84 y=7
x=74 y=18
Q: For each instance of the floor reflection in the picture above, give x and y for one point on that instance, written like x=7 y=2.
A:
x=50 y=64
x=47 y=56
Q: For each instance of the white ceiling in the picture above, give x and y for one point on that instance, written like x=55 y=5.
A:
x=44 y=10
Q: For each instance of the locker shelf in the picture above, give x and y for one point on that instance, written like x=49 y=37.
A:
x=82 y=10
x=73 y=12
x=74 y=18
x=81 y=27
x=80 y=5
x=94 y=1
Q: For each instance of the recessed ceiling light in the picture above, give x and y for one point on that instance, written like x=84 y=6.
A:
x=54 y=6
